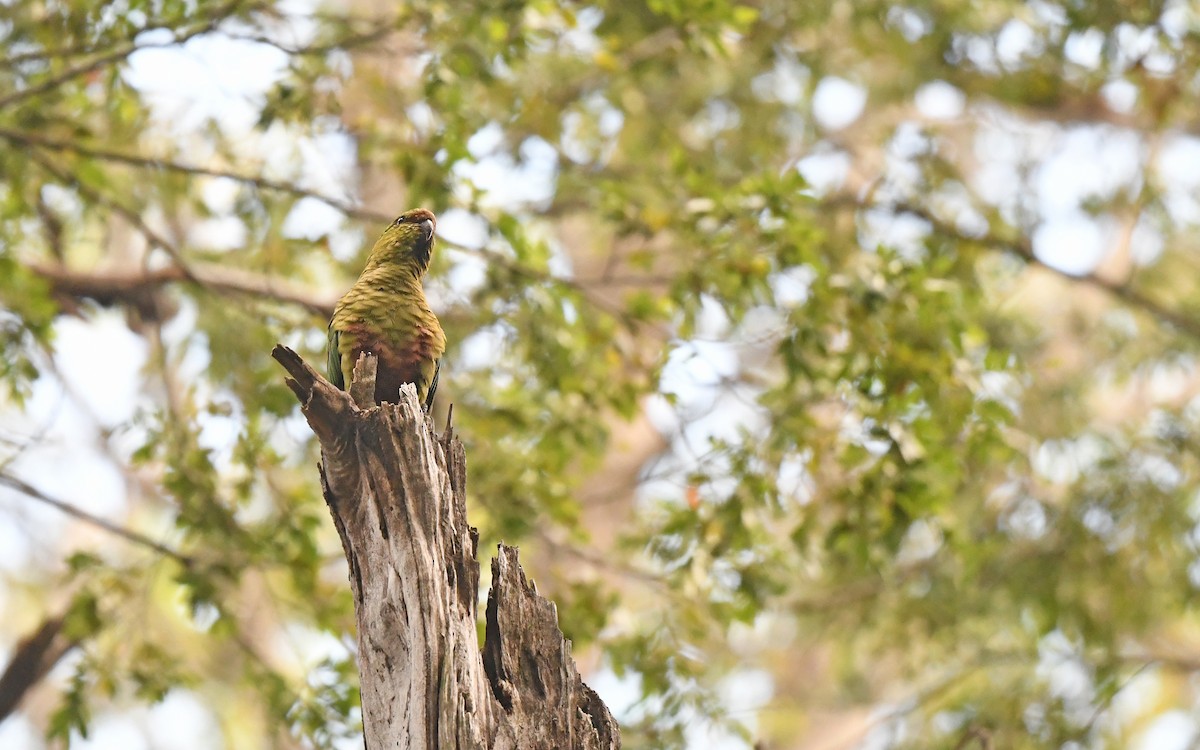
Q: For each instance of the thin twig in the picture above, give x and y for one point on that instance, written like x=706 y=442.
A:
x=108 y=288
x=115 y=56
x=133 y=217
x=349 y=209
x=127 y=534
x=351 y=40
x=1022 y=247
x=150 y=162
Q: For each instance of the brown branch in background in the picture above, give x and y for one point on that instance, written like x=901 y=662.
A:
x=494 y=258
x=1022 y=247
x=351 y=41
x=108 y=289
x=128 y=535
x=355 y=212
x=74 y=50
x=96 y=285
x=148 y=162
x=138 y=289
x=26 y=138
x=32 y=660
x=140 y=293
x=133 y=217
x=115 y=56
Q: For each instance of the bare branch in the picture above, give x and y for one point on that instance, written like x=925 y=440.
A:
x=353 y=40
x=107 y=288
x=349 y=209
x=127 y=534
x=116 y=55
x=32 y=659
x=1022 y=247
x=582 y=288
x=27 y=138
x=133 y=217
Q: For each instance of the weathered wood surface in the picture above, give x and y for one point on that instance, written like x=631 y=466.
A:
x=397 y=493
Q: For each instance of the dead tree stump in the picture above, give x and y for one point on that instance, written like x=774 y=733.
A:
x=397 y=493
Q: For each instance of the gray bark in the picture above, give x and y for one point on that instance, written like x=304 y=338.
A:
x=397 y=493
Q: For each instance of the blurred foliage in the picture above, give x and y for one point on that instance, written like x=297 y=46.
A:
x=911 y=470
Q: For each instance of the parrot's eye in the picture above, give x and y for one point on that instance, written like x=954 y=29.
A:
x=401 y=219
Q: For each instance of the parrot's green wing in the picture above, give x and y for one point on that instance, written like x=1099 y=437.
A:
x=437 y=370
x=334 y=361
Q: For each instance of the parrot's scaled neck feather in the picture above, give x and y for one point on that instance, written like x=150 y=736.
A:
x=393 y=278
x=383 y=260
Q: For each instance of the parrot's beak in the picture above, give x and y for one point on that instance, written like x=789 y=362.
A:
x=427 y=229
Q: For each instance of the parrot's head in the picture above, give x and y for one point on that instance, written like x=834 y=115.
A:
x=408 y=241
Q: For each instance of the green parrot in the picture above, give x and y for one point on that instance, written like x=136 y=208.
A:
x=386 y=313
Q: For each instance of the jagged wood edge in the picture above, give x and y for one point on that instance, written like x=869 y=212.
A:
x=534 y=696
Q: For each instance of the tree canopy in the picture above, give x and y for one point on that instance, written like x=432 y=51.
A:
x=832 y=363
